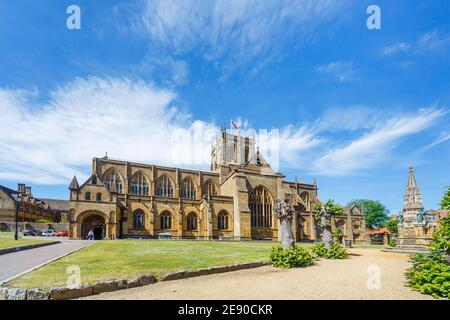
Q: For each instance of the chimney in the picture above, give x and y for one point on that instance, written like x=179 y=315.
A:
x=28 y=191
x=21 y=187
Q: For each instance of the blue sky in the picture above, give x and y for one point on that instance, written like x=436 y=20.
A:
x=354 y=107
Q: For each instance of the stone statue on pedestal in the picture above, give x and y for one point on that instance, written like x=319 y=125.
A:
x=427 y=217
x=284 y=211
x=420 y=216
x=325 y=224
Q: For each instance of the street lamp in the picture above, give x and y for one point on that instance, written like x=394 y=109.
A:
x=18 y=199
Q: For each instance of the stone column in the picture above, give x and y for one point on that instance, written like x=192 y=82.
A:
x=126 y=178
x=210 y=221
x=385 y=239
x=313 y=234
x=177 y=184
x=153 y=182
x=295 y=225
x=180 y=220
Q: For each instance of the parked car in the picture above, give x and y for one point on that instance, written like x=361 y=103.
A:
x=62 y=234
x=29 y=232
x=48 y=233
x=39 y=232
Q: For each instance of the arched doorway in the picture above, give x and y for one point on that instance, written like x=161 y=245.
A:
x=4 y=227
x=96 y=223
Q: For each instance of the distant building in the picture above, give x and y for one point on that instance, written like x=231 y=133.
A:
x=378 y=236
x=31 y=209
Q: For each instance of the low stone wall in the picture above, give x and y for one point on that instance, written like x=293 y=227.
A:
x=11 y=226
x=183 y=274
x=114 y=285
x=27 y=247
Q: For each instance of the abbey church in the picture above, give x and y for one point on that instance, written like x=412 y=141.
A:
x=234 y=200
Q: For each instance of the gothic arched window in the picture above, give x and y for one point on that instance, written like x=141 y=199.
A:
x=305 y=206
x=87 y=196
x=139 y=184
x=164 y=187
x=165 y=220
x=261 y=204
x=192 y=221
x=222 y=220
x=209 y=188
x=112 y=178
x=138 y=219
x=188 y=189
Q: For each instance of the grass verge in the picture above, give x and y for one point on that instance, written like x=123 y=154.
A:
x=6 y=243
x=127 y=259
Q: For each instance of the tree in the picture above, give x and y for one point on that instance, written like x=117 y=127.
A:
x=332 y=208
x=445 y=202
x=375 y=213
x=325 y=212
x=441 y=237
x=392 y=226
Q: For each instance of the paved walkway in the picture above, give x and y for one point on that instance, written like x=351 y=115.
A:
x=352 y=278
x=12 y=264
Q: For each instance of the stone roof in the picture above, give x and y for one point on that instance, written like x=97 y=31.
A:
x=57 y=205
x=378 y=231
x=10 y=192
x=74 y=184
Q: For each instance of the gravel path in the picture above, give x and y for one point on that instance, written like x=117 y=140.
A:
x=328 y=279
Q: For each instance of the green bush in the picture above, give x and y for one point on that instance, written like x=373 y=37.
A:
x=337 y=235
x=336 y=251
x=392 y=242
x=319 y=250
x=441 y=237
x=430 y=275
x=291 y=257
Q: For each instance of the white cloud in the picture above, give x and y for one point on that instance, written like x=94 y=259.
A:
x=348 y=118
x=339 y=70
x=433 y=40
x=235 y=34
x=443 y=137
x=374 y=147
x=132 y=120
x=47 y=143
x=395 y=48
x=88 y=117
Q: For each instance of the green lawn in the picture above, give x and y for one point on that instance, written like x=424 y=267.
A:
x=125 y=259
x=11 y=243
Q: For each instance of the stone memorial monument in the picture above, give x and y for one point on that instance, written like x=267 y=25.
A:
x=325 y=224
x=415 y=226
x=284 y=211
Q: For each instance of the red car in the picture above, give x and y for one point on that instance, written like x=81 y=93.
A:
x=62 y=234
